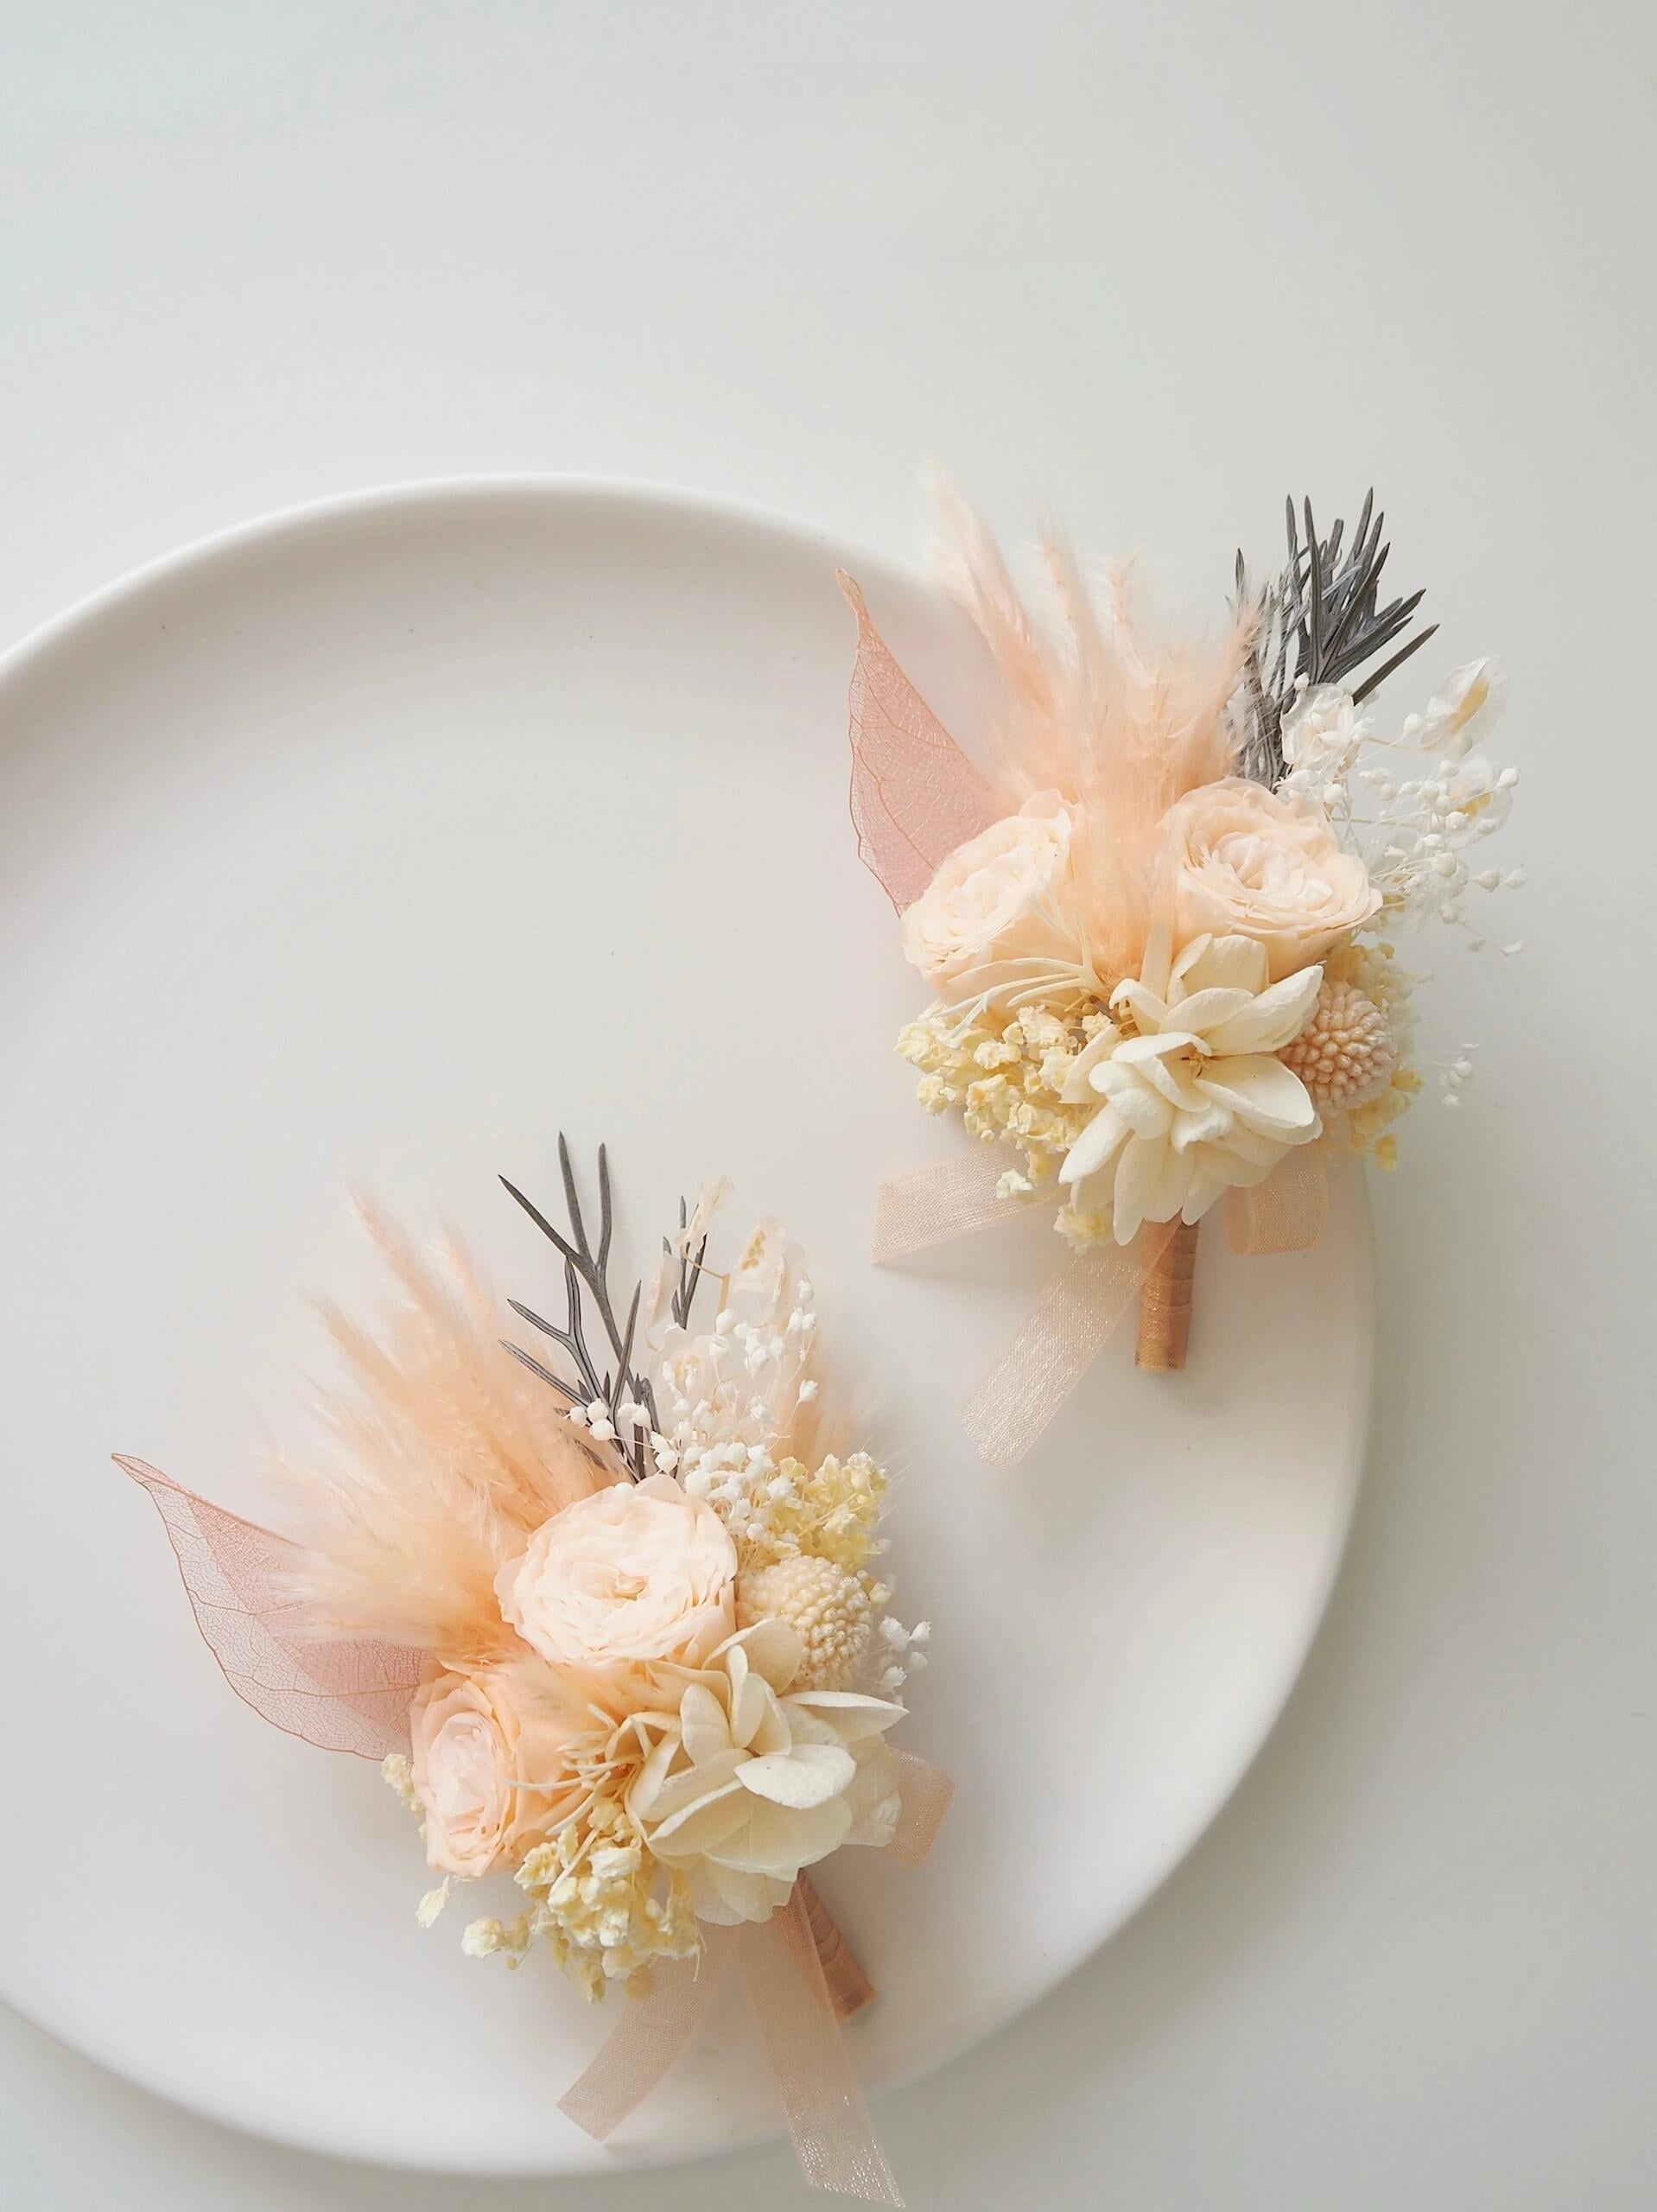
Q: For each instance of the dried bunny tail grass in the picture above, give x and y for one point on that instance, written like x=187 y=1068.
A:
x=975 y=572
x=439 y=1463
x=454 y=1377
x=1099 y=707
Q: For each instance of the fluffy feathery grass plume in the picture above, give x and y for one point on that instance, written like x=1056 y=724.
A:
x=1098 y=709
x=437 y=1460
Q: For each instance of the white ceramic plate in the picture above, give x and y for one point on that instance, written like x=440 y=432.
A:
x=376 y=842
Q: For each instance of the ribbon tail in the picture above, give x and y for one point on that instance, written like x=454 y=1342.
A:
x=827 y=2119
x=924 y=1791
x=651 y=2033
x=952 y=1198
x=1286 y=1213
x=1086 y=1296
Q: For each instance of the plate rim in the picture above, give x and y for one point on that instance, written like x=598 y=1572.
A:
x=645 y=495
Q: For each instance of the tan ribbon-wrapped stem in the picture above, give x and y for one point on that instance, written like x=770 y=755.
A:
x=1166 y=1304
x=850 y=1990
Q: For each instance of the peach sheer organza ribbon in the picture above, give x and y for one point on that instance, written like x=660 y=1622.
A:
x=353 y=1695
x=783 y=1978
x=915 y=797
x=1088 y=1292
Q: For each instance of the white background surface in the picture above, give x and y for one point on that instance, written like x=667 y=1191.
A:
x=1151 y=271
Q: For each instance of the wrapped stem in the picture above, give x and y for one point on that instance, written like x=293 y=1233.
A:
x=1166 y=1304
x=850 y=1990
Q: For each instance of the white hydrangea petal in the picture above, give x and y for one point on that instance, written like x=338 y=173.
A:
x=808 y=1728
x=775 y=1838
x=776 y=1731
x=704 y=1825
x=730 y=1898
x=704 y=1724
x=643 y=1797
x=851 y=1715
x=686 y=1787
x=808 y=1775
x=772 y=1649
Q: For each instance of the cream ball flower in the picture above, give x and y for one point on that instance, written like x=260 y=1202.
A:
x=827 y=1608
x=478 y=1740
x=1196 y=1099
x=634 y=1573
x=1345 y=1055
x=1004 y=895
x=1244 y=862
x=753 y=1779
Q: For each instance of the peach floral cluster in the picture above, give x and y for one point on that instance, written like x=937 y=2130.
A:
x=1160 y=975
x=688 y=1696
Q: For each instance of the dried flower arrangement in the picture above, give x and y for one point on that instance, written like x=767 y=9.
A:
x=1160 y=921
x=615 y=1621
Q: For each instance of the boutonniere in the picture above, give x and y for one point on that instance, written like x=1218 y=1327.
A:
x=1164 y=921
x=607 y=1597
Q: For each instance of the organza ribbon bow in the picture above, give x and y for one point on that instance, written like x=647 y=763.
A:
x=915 y=799
x=353 y=1695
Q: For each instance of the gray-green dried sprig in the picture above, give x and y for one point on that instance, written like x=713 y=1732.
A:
x=586 y=1271
x=1317 y=622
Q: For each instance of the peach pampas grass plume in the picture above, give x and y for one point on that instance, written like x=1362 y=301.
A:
x=438 y=1458
x=1120 y=721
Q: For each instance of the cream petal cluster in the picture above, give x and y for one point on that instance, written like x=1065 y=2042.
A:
x=1195 y=1098
x=749 y=1781
x=1243 y=861
x=634 y=1573
x=1004 y=895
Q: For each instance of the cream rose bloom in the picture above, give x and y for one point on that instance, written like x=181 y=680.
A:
x=1247 y=863
x=633 y=1573
x=1003 y=895
x=754 y=1779
x=475 y=1738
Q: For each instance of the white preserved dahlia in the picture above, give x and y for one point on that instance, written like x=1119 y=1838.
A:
x=827 y=1609
x=1345 y=1055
